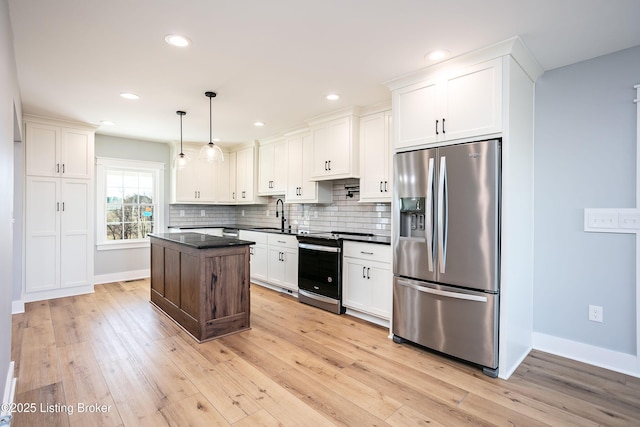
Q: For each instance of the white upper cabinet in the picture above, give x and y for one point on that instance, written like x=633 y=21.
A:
x=375 y=158
x=300 y=188
x=464 y=103
x=335 y=149
x=197 y=181
x=246 y=177
x=272 y=168
x=473 y=101
x=58 y=151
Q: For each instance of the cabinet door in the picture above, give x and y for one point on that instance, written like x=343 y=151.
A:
x=321 y=136
x=290 y=260
x=206 y=181
x=259 y=262
x=76 y=154
x=356 y=292
x=187 y=178
x=245 y=176
x=266 y=168
x=276 y=266
x=223 y=190
x=233 y=177
x=375 y=153
x=42 y=245
x=75 y=233
x=473 y=102
x=294 y=169
x=42 y=149
x=414 y=114
x=380 y=280
x=281 y=163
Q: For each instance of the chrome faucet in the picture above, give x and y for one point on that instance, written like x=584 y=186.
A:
x=283 y=219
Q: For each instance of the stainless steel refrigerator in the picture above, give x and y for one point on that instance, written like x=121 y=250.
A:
x=446 y=243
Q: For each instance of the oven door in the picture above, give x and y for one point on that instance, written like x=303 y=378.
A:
x=319 y=270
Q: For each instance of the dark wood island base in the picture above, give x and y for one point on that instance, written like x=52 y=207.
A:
x=201 y=282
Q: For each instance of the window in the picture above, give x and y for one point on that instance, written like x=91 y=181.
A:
x=129 y=202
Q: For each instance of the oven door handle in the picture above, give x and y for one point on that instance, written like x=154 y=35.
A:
x=318 y=248
x=317 y=297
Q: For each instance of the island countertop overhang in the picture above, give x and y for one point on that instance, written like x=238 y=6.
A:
x=201 y=241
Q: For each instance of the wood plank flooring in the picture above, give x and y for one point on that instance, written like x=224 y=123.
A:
x=112 y=359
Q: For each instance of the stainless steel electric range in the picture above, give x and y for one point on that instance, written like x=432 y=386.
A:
x=320 y=269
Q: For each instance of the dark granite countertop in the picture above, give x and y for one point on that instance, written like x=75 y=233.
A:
x=201 y=241
x=378 y=239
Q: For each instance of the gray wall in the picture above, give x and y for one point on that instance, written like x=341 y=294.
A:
x=585 y=153
x=10 y=99
x=117 y=261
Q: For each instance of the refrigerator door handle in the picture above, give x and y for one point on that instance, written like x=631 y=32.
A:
x=442 y=215
x=442 y=293
x=429 y=215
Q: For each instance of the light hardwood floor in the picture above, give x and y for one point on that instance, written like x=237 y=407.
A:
x=297 y=366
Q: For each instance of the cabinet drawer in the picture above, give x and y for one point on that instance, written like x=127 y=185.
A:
x=282 y=240
x=253 y=236
x=368 y=251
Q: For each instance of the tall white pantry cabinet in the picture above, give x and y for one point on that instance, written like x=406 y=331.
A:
x=59 y=213
x=485 y=94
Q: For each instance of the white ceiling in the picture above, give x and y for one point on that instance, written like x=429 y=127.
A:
x=272 y=61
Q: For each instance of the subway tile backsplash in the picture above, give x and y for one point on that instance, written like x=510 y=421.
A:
x=344 y=214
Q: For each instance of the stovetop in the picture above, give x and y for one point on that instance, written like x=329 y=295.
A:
x=335 y=235
x=339 y=236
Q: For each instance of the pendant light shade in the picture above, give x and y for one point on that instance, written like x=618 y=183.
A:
x=181 y=159
x=211 y=152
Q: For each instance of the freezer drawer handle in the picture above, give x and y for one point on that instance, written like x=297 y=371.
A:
x=439 y=292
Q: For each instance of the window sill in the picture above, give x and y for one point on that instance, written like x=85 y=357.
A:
x=120 y=245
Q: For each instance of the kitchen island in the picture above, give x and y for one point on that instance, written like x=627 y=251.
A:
x=201 y=282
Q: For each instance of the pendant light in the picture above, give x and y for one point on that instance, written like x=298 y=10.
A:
x=181 y=159
x=211 y=152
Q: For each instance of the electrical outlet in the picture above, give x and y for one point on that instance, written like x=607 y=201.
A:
x=181 y=213
x=315 y=214
x=242 y=212
x=595 y=313
x=267 y=212
x=203 y=213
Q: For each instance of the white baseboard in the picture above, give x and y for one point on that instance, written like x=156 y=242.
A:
x=17 y=307
x=597 y=356
x=121 y=276
x=9 y=391
x=57 y=293
x=369 y=318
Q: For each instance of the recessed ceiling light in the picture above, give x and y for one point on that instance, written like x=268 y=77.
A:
x=333 y=97
x=436 y=55
x=129 y=95
x=108 y=122
x=258 y=124
x=177 y=40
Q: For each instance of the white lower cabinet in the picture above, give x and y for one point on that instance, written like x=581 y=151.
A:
x=367 y=278
x=59 y=231
x=283 y=261
x=274 y=259
x=258 y=254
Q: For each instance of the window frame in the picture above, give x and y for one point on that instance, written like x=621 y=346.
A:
x=103 y=165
